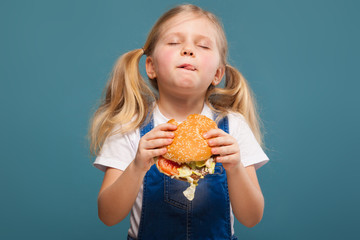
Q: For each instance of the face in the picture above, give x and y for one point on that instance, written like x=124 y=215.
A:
x=186 y=58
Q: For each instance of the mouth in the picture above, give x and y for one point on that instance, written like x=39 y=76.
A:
x=187 y=66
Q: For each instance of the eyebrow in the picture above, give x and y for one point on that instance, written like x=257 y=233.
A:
x=179 y=34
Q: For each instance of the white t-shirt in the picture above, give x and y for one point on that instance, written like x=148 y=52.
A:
x=119 y=151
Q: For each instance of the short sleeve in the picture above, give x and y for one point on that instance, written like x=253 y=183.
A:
x=251 y=152
x=118 y=151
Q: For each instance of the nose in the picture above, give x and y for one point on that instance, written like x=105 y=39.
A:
x=187 y=52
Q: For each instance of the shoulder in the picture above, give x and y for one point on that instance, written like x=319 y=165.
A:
x=119 y=141
x=237 y=122
x=236 y=116
x=116 y=133
x=118 y=150
x=250 y=150
x=117 y=136
x=239 y=128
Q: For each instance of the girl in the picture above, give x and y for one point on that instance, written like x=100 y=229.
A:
x=186 y=53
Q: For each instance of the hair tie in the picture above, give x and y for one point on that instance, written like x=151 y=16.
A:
x=143 y=50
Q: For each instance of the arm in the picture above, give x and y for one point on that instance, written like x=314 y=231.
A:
x=247 y=200
x=120 y=188
x=244 y=190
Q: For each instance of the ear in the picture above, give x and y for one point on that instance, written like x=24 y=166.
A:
x=150 y=68
x=218 y=75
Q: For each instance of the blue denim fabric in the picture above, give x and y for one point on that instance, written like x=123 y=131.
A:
x=167 y=214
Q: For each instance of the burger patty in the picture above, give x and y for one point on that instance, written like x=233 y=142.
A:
x=203 y=171
x=196 y=177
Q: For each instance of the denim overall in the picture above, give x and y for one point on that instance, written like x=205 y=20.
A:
x=167 y=214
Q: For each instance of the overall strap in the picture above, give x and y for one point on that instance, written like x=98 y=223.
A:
x=224 y=124
x=147 y=125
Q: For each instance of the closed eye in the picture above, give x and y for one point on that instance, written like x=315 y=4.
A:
x=203 y=46
x=173 y=43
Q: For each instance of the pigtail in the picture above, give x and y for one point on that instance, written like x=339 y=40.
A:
x=126 y=101
x=236 y=96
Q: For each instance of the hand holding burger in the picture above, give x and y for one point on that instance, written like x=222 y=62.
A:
x=153 y=144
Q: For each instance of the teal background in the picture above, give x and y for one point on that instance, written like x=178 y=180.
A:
x=300 y=57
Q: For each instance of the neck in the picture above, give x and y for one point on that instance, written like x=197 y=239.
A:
x=180 y=108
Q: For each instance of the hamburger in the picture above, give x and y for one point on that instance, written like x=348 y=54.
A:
x=188 y=157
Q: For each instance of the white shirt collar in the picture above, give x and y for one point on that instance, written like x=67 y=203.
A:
x=160 y=118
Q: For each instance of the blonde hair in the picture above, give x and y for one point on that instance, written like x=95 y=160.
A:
x=128 y=98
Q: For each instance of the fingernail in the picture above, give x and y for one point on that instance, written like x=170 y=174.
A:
x=205 y=135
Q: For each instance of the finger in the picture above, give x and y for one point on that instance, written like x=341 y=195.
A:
x=157 y=143
x=166 y=127
x=221 y=141
x=161 y=131
x=157 y=152
x=214 y=133
x=150 y=154
x=224 y=150
x=158 y=134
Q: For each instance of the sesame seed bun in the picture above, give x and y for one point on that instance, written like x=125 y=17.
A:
x=189 y=143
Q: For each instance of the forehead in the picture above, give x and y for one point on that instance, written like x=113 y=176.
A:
x=190 y=23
